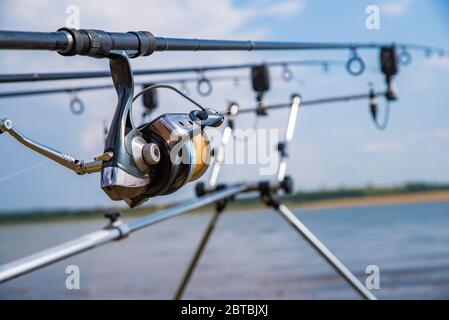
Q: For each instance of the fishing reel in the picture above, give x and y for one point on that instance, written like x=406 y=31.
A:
x=140 y=162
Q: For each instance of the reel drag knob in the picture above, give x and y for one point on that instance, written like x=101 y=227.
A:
x=151 y=154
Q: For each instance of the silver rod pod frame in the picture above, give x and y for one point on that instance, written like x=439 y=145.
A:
x=116 y=231
x=285 y=212
x=283 y=146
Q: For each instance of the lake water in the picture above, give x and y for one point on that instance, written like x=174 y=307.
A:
x=252 y=255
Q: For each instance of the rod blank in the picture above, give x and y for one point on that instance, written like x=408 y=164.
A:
x=76 y=89
x=5 y=78
x=80 y=42
x=315 y=102
x=33 y=40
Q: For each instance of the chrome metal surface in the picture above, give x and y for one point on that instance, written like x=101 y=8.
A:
x=137 y=145
x=282 y=169
x=151 y=154
x=185 y=206
x=69 y=42
x=89 y=167
x=79 y=166
x=5 y=125
x=219 y=156
x=25 y=265
x=325 y=252
x=120 y=185
x=41 y=259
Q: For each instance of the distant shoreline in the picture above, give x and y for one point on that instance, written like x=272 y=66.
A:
x=417 y=197
x=248 y=205
x=352 y=202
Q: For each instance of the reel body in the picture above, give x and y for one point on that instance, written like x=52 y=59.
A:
x=156 y=158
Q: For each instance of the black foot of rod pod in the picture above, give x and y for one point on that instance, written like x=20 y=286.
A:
x=201 y=190
x=220 y=205
x=196 y=256
x=272 y=200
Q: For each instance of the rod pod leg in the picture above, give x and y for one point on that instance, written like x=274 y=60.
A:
x=272 y=201
x=199 y=250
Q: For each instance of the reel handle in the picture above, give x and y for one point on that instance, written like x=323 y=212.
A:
x=78 y=166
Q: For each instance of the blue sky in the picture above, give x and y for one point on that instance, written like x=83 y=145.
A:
x=334 y=145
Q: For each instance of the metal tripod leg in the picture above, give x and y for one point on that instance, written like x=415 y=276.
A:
x=196 y=257
x=319 y=247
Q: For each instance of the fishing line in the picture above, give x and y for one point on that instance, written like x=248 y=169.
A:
x=166 y=86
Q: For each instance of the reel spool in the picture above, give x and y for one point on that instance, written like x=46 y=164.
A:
x=184 y=151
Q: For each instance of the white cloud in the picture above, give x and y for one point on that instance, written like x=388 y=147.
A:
x=439 y=62
x=440 y=133
x=285 y=8
x=377 y=147
x=396 y=7
x=416 y=140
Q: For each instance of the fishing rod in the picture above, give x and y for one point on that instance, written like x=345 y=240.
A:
x=344 y=98
x=200 y=70
x=77 y=89
x=270 y=197
x=77 y=106
x=96 y=43
x=371 y=96
x=150 y=160
x=100 y=43
x=159 y=157
x=137 y=164
x=389 y=62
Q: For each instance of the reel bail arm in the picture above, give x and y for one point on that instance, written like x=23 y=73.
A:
x=78 y=166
